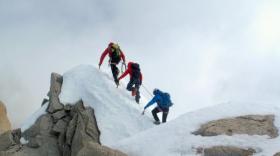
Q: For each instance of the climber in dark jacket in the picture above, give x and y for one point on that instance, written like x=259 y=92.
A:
x=133 y=69
x=115 y=54
x=163 y=103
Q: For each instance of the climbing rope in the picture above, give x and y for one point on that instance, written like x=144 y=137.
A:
x=147 y=91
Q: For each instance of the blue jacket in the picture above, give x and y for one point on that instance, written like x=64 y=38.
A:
x=157 y=99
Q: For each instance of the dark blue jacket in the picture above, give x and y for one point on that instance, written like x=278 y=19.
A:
x=157 y=99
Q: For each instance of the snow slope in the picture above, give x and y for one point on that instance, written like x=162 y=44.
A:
x=118 y=115
x=32 y=119
x=175 y=138
x=123 y=127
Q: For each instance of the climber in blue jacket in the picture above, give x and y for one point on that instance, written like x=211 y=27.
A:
x=163 y=103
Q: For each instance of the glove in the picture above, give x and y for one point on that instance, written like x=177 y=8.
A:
x=99 y=65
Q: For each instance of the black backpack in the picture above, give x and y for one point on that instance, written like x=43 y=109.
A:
x=115 y=56
x=135 y=71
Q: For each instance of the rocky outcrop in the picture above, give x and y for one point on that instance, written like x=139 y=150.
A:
x=9 y=139
x=55 y=89
x=226 y=151
x=69 y=130
x=277 y=154
x=250 y=124
x=92 y=148
x=5 y=124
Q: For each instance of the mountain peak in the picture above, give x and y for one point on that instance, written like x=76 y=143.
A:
x=5 y=124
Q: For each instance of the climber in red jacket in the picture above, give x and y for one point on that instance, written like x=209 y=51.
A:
x=115 y=54
x=133 y=69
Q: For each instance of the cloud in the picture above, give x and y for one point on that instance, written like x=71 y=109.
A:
x=15 y=95
x=266 y=27
x=201 y=52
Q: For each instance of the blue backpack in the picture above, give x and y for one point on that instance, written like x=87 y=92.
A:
x=166 y=101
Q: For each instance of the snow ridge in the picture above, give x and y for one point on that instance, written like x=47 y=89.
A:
x=123 y=127
x=117 y=114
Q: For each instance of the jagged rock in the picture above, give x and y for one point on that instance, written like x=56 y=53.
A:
x=48 y=146
x=250 y=124
x=227 y=151
x=77 y=136
x=58 y=115
x=61 y=142
x=67 y=119
x=41 y=139
x=68 y=108
x=86 y=128
x=33 y=143
x=9 y=138
x=64 y=130
x=42 y=126
x=43 y=146
x=86 y=139
x=277 y=154
x=55 y=89
x=71 y=130
x=60 y=127
x=6 y=140
x=5 y=124
x=17 y=135
x=66 y=150
x=91 y=148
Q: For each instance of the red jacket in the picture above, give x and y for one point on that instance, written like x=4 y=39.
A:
x=129 y=71
x=109 y=51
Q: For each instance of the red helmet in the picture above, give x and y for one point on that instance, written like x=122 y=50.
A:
x=129 y=64
x=110 y=44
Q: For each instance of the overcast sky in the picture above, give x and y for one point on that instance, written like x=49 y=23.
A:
x=202 y=52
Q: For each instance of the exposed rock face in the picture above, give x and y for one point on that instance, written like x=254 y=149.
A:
x=277 y=154
x=5 y=124
x=9 y=138
x=86 y=139
x=250 y=124
x=40 y=138
x=64 y=131
x=55 y=89
x=92 y=148
x=227 y=151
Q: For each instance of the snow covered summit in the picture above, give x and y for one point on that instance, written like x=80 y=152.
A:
x=232 y=128
x=118 y=116
x=123 y=127
x=5 y=124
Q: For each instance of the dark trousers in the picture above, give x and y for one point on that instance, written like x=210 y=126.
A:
x=115 y=71
x=164 y=113
x=134 y=84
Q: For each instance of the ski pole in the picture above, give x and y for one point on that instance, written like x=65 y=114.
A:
x=143 y=112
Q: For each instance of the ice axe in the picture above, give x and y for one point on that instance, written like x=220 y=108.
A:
x=143 y=112
x=123 y=65
x=117 y=83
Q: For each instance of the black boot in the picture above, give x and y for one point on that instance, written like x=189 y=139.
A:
x=156 y=122
x=137 y=100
